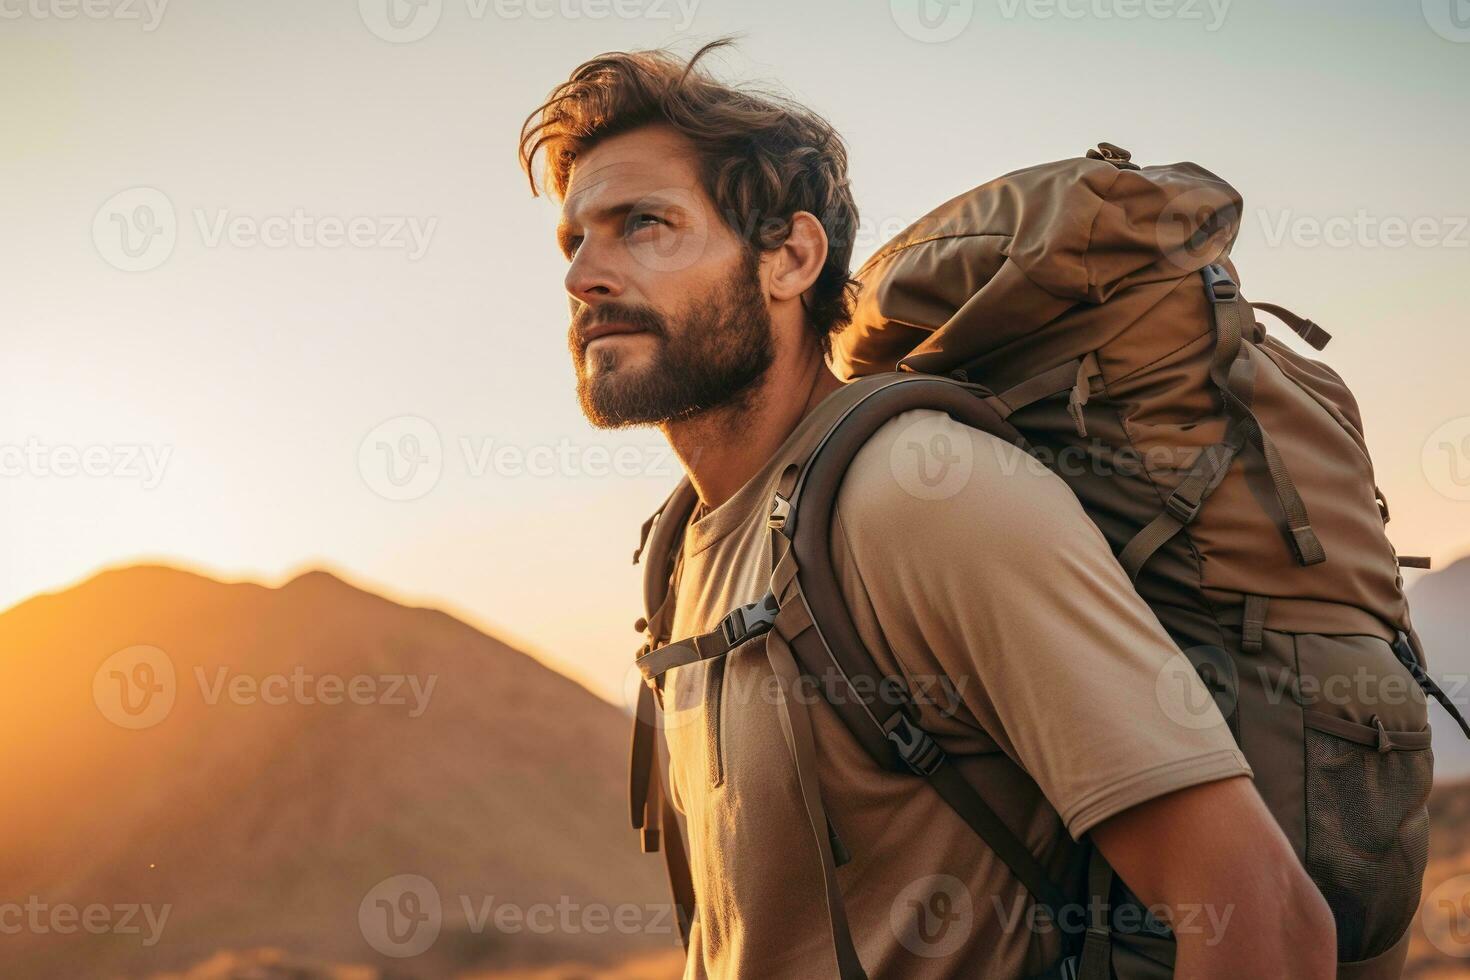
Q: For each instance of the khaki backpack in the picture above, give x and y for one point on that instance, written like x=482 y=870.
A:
x=1087 y=311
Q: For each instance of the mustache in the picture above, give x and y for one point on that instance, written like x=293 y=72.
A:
x=638 y=317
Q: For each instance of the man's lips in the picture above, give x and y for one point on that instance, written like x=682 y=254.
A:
x=608 y=330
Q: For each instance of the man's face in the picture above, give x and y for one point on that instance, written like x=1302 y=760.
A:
x=669 y=316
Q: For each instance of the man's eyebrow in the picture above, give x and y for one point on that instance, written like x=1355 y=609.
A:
x=612 y=212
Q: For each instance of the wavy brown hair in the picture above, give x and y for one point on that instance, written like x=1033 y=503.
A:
x=761 y=158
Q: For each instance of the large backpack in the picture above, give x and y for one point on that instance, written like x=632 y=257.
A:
x=1087 y=311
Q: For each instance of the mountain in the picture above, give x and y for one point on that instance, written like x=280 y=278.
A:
x=1440 y=604
x=193 y=767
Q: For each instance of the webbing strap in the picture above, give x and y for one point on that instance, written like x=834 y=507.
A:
x=676 y=863
x=705 y=646
x=653 y=814
x=1181 y=507
x=962 y=797
x=1403 y=648
x=796 y=725
x=643 y=758
x=1314 y=335
x=737 y=626
x=1253 y=623
x=1231 y=314
x=1097 y=946
x=1061 y=378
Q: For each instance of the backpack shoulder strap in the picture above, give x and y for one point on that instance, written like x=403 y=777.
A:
x=872 y=704
x=812 y=617
x=807 y=608
x=651 y=812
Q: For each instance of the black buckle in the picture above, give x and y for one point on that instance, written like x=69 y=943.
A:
x=1182 y=510
x=1218 y=284
x=751 y=619
x=916 y=747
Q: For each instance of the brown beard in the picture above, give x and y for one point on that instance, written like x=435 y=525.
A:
x=712 y=354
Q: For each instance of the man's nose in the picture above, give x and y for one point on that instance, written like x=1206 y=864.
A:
x=592 y=278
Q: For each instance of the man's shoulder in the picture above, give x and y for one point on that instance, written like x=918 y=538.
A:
x=922 y=468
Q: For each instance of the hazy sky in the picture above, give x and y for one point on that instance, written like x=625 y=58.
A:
x=251 y=247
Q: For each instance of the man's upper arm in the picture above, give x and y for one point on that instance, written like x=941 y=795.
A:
x=981 y=565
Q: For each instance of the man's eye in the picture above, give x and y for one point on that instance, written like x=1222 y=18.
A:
x=644 y=220
x=572 y=244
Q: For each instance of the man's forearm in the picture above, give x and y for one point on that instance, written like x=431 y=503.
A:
x=1291 y=937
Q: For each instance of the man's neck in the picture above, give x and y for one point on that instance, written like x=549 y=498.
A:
x=722 y=448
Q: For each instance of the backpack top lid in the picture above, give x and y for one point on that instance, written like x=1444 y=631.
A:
x=999 y=262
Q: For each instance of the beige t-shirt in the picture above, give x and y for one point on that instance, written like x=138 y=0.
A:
x=977 y=575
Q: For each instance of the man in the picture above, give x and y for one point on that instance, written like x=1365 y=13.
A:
x=709 y=232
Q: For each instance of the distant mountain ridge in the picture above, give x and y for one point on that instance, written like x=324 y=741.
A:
x=260 y=760
x=1440 y=605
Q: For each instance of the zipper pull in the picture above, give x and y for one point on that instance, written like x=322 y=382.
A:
x=1385 y=744
x=1081 y=391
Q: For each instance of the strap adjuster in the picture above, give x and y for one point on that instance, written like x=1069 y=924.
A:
x=1183 y=511
x=751 y=619
x=780 y=513
x=1219 y=287
x=916 y=747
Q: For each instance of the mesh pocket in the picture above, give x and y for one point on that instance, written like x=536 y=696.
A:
x=1367 y=837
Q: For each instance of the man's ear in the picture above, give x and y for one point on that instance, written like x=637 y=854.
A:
x=797 y=262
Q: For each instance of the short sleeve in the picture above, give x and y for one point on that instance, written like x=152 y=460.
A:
x=980 y=564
